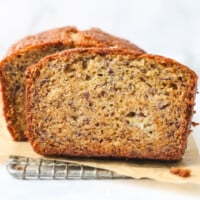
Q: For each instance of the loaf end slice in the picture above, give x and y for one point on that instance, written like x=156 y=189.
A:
x=109 y=103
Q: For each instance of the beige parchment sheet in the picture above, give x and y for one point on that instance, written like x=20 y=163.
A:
x=158 y=171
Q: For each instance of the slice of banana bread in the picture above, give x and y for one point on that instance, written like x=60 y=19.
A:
x=29 y=51
x=109 y=103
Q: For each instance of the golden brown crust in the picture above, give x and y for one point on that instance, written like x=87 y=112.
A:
x=71 y=36
x=95 y=37
x=30 y=73
x=53 y=36
x=66 y=36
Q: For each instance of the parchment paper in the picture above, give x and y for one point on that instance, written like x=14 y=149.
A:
x=158 y=171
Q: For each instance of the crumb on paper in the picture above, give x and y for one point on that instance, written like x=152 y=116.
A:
x=182 y=172
x=195 y=124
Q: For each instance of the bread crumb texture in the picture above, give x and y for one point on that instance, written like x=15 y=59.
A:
x=13 y=84
x=109 y=104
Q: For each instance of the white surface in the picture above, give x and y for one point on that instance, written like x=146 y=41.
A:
x=96 y=190
x=169 y=28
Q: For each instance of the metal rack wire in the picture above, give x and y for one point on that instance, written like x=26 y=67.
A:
x=30 y=169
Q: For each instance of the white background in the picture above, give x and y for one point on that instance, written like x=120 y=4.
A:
x=167 y=27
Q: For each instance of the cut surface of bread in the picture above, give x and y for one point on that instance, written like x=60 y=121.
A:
x=29 y=51
x=109 y=103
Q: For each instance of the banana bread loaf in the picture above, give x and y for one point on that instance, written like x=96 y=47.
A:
x=29 y=51
x=109 y=103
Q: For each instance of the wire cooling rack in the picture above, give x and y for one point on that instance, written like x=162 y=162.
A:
x=30 y=169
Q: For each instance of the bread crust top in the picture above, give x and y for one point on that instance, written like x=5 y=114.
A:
x=53 y=36
x=71 y=37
